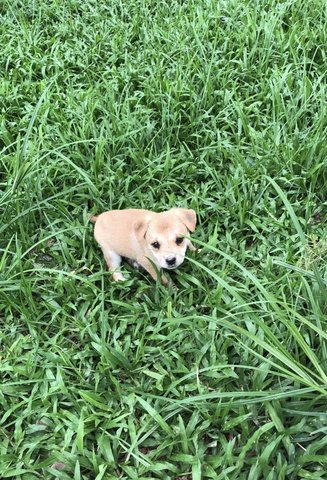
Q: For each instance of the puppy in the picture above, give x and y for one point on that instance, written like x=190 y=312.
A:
x=145 y=238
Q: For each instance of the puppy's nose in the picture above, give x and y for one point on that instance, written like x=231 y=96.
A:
x=171 y=261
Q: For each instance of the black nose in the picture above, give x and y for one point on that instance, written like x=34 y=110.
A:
x=171 y=261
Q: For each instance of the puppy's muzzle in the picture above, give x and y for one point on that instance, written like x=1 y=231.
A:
x=171 y=261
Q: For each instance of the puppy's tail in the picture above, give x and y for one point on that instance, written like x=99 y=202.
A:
x=92 y=218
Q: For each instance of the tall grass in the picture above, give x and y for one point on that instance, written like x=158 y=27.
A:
x=218 y=106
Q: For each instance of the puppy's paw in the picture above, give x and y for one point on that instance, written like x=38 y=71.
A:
x=118 y=277
x=172 y=286
x=167 y=282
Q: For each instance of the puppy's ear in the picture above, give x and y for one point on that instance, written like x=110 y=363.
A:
x=187 y=216
x=140 y=227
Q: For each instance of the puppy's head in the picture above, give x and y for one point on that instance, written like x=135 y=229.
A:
x=165 y=234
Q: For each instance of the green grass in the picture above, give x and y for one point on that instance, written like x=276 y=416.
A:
x=217 y=106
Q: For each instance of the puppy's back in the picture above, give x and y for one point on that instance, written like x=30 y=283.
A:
x=114 y=229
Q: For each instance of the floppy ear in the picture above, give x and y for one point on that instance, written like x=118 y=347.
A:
x=187 y=216
x=140 y=227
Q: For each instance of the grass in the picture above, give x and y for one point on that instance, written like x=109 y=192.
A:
x=218 y=106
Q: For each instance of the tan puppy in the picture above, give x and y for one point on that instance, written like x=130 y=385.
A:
x=144 y=237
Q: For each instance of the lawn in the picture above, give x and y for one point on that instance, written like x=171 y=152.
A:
x=219 y=106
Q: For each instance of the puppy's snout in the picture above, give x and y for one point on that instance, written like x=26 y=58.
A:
x=171 y=261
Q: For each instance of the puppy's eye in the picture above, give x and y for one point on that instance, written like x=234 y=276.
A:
x=155 y=245
x=179 y=240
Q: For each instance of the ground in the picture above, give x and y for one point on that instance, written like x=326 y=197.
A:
x=215 y=106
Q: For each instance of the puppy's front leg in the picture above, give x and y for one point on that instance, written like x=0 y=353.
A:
x=149 y=268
